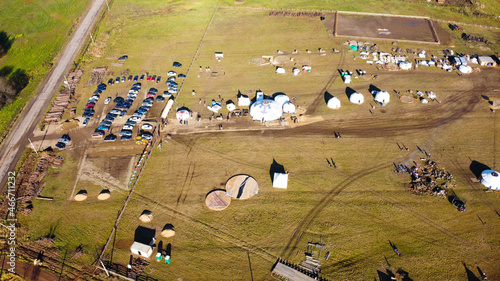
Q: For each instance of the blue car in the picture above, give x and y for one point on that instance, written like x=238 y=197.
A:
x=103 y=128
x=86 y=121
x=142 y=110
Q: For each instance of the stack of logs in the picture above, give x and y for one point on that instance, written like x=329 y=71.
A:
x=58 y=106
x=429 y=179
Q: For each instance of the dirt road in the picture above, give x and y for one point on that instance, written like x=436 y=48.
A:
x=12 y=147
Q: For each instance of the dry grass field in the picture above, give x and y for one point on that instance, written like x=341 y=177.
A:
x=356 y=208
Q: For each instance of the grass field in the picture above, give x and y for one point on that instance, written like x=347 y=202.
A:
x=357 y=208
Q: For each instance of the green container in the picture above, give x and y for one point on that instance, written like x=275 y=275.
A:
x=167 y=259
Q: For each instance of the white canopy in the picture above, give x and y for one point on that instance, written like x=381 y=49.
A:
x=288 y=107
x=280 y=70
x=491 y=179
x=141 y=249
x=357 y=98
x=183 y=114
x=382 y=97
x=333 y=103
x=230 y=106
x=267 y=110
x=243 y=101
x=465 y=69
x=404 y=65
x=281 y=99
x=280 y=180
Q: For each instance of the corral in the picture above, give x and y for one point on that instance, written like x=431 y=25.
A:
x=357 y=205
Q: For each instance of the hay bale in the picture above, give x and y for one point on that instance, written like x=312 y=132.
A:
x=168 y=231
x=146 y=216
x=81 y=195
x=104 y=195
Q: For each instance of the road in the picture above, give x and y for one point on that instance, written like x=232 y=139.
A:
x=14 y=144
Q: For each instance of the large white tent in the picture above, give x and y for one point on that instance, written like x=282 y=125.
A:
x=491 y=179
x=333 y=103
x=382 y=97
x=281 y=99
x=465 y=69
x=280 y=180
x=288 y=107
x=357 y=98
x=183 y=114
x=266 y=110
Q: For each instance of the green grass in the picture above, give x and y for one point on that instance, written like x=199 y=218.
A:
x=40 y=29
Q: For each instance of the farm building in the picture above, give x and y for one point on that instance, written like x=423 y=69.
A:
x=491 y=179
x=459 y=61
x=486 y=61
x=219 y=55
x=141 y=249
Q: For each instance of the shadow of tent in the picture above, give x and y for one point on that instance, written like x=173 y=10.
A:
x=328 y=96
x=477 y=168
x=349 y=91
x=144 y=235
x=229 y=101
x=373 y=88
x=470 y=275
x=485 y=97
x=168 y=251
x=183 y=108
x=276 y=168
x=160 y=247
x=383 y=276
x=277 y=94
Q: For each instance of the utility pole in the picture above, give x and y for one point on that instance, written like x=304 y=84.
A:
x=107 y=4
x=36 y=151
x=91 y=37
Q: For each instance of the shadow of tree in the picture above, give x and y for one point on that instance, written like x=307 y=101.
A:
x=5 y=43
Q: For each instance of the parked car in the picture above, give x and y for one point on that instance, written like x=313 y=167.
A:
x=153 y=78
x=123 y=78
x=158 y=79
x=115 y=111
x=111 y=115
x=177 y=64
x=147 y=136
x=146 y=126
x=110 y=81
x=118 y=99
x=148 y=78
x=135 y=118
x=136 y=78
x=130 y=122
x=142 y=110
x=65 y=138
x=145 y=107
x=128 y=127
x=160 y=98
x=181 y=76
x=122 y=113
x=88 y=114
x=105 y=123
x=106 y=101
x=458 y=203
x=117 y=80
x=103 y=128
x=137 y=85
x=123 y=58
x=102 y=87
x=166 y=94
x=125 y=137
x=150 y=95
x=142 y=77
x=171 y=73
x=94 y=98
x=90 y=104
x=60 y=145
x=85 y=122
x=137 y=114
x=171 y=79
x=130 y=78
x=110 y=138
x=125 y=133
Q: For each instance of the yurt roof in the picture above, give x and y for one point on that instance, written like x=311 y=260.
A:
x=270 y=110
x=242 y=186
x=288 y=107
x=217 y=200
x=357 y=98
x=281 y=99
x=382 y=96
x=183 y=114
x=333 y=102
x=491 y=179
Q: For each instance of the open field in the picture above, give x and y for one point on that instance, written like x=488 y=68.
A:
x=357 y=208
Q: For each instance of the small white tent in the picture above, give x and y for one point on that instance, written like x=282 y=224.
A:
x=266 y=110
x=357 y=98
x=230 y=106
x=333 y=103
x=183 y=114
x=281 y=99
x=141 y=249
x=243 y=100
x=288 y=107
x=491 y=179
x=465 y=69
x=280 y=70
x=280 y=180
x=382 y=97
x=404 y=65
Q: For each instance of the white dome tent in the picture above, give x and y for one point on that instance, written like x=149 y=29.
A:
x=491 y=179
x=382 y=97
x=183 y=114
x=265 y=109
x=357 y=98
x=281 y=99
x=333 y=103
x=288 y=107
x=465 y=69
x=230 y=106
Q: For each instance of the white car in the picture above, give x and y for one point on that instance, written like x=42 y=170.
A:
x=135 y=119
x=171 y=73
x=128 y=127
x=147 y=127
x=106 y=101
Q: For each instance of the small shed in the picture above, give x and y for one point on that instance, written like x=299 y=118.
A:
x=280 y=180
x=486 y=61
x=347 y=78
x=141 y=249
x=219 y=55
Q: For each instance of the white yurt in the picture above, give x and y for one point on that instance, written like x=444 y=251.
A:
x=266 y=109
x=281 y=99
x=333 y=103
x=357 y=98
x=183 y=114
x=288 y=107
x=491 y=179
x=280 y=70
x=465 y=69
x=382 y=97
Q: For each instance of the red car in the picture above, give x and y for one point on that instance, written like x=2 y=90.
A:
x=153 y=78
x=90 y=104
x=129 y=78
x=148 y=78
